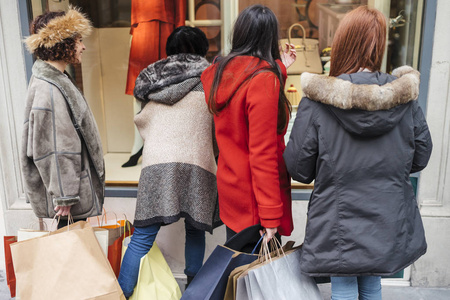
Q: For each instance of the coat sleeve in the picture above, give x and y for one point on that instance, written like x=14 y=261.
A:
x=422 y=141
x=301 y=151
x=54 y=146
x=262 y=109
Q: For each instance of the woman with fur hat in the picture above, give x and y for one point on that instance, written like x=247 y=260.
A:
x=62 y=157
x=178 y=177
x=359 y=134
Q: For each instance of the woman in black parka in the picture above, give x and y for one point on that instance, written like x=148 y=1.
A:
x=359 y=134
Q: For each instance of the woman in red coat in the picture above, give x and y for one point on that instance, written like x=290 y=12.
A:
x=245 y=91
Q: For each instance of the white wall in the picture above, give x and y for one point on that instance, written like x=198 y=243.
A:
x=433 y=269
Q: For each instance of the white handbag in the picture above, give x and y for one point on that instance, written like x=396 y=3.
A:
x=308 y=58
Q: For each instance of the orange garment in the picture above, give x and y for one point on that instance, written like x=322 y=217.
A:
x=152 y=21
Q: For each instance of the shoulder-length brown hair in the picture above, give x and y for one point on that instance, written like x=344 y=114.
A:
x=359 y=42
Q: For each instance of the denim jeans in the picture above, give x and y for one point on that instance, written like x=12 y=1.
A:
x=142 y=241
x=348 y=288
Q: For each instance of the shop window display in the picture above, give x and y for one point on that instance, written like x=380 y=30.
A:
x=104 y=72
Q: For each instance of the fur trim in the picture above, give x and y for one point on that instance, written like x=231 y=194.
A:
x=371 y=97
x=66 y=201
x=58 y=29
x=163 y=73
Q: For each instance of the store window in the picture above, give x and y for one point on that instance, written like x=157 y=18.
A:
x=103 y=73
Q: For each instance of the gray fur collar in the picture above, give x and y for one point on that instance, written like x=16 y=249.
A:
x=83 y=118
x=174 y=70
x=370 y=97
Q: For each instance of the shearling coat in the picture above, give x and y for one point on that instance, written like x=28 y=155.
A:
x=254 y=186
x=61 y=155
x=363 y=217
x=178 y=177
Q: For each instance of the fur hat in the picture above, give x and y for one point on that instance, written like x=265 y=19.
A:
x=60 y=28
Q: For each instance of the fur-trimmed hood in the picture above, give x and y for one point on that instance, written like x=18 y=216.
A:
x=365 y=103
x=83 y=118
x=169 y=80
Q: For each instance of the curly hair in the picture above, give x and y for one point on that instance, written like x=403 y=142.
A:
x=65 y=50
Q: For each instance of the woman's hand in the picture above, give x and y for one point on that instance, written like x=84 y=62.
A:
x=62 y=210
x=270 y=233
x=288 y=55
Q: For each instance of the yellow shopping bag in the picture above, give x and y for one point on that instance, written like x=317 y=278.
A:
x=155 y=279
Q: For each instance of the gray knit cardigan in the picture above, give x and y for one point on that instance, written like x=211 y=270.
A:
x=178 y=177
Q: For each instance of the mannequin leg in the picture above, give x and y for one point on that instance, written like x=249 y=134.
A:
x=138 y=144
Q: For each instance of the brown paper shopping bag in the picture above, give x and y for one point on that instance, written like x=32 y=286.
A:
x=65 y=264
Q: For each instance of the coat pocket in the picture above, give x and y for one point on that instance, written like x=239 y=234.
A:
x=87 y=195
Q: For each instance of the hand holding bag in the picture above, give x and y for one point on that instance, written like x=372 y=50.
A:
x=308 y=57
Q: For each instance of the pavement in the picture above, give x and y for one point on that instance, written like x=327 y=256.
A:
x=389 y=292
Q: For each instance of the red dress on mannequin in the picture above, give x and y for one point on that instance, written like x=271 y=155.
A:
x=152 y=21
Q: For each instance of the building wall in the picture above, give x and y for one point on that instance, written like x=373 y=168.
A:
x=434 y=186
x=433 y=269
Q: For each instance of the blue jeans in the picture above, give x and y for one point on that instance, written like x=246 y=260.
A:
x=142 y=241
x=348 y=288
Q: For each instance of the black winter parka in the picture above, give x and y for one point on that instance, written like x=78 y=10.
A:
x=363 y=217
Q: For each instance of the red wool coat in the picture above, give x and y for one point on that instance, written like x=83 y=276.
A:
x=252 y=180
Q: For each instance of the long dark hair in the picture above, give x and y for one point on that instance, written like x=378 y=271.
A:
x=255 y=33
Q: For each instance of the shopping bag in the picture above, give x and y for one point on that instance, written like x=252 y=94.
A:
x=117 y=229
x=10 y=276
x=230 y=293
x=308 y=57
x=65 y=264
x=155 y=280
x=280 y=278
x=115 y=245
x=211 y=281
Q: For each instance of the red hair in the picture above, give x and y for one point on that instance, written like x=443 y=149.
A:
x=359 y=42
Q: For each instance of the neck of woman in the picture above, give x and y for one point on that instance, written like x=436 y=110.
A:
x=59 y=64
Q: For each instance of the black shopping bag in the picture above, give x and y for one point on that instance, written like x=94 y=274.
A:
x=211 y=281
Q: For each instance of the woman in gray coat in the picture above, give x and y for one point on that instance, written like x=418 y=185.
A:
x=61 y=157
x=360 y=134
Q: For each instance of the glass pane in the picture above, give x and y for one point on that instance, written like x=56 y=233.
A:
x=103 y=74
x=404 y=34
x=207 y=9
x=214 y=36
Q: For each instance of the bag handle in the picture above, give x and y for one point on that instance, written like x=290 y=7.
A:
x=303 y=34
x=302 y=47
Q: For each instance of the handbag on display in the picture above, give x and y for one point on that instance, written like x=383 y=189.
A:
x=308 y=56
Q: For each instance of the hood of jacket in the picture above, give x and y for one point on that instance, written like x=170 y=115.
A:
x=238 y=70
x=365 y=103
x=83 y=118
x=168 y=80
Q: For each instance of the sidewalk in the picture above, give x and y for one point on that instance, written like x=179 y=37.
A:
x=389 y=292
